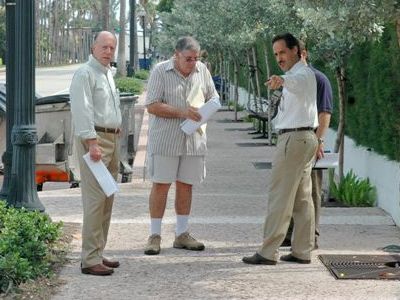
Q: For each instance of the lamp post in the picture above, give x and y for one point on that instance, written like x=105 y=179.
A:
x=24 y=137
x=142 y=15
x=10 y=71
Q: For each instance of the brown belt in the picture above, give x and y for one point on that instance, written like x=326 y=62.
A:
x=282 y=131
x=107 y=130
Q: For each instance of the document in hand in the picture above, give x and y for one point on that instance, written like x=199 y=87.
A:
x=206 y=111
x=102 y=175
x=329 y=161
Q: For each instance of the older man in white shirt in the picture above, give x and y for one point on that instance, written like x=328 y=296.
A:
x=96 y=117
x=290 y=186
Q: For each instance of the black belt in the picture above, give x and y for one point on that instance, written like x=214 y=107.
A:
x=107 y=130
x=282 y=131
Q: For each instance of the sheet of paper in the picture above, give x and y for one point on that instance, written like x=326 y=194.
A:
x=196 y=96
x=329 y=161
x=206 y=111
x=102 y=175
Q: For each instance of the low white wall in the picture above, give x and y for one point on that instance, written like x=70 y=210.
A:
x=382 y=173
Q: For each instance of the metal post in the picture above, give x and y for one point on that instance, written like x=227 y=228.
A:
x=132 y=34
x=24 y=136
x=10 y=71
x=144 y=42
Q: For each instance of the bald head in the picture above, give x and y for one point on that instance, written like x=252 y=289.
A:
x=103 y=48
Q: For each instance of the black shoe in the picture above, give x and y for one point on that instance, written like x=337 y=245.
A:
x=257 y=259
x=286 y=243
x=292 y=258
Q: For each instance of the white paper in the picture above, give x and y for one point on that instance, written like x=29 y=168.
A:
x=206 y=111
x=329 y=161
x=102 y=175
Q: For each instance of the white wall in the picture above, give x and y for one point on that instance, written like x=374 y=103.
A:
x=382 y=173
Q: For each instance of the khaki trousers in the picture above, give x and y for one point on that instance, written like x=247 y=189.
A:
x=316 y=183
x=290 y=195
x=97 y=207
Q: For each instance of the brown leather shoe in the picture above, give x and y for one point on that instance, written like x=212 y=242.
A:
x=110 y=263
x=99 y=270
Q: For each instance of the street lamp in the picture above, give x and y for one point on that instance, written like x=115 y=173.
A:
x=142 y=15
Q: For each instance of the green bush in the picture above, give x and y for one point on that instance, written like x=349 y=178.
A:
x=129 y=85
x=239 y=107
x=353 y=191
x=142 y=74
x=26 y=241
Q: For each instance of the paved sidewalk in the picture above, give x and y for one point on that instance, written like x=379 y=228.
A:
x=228 y=213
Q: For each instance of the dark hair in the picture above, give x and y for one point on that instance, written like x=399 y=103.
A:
x=290 y=41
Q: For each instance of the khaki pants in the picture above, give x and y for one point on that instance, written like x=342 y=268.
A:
x=97 y=207
x=316 y=182
x=290 y=194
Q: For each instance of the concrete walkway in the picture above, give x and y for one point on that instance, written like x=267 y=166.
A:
x=228 y=213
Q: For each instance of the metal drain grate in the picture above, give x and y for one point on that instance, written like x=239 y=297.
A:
x=363 y=266
x=262 y=165
x=251 y=144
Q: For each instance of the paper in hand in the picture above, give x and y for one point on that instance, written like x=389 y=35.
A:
x=206 y=111
x=102 y=175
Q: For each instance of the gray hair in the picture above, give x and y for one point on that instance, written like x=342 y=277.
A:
x=187 y=43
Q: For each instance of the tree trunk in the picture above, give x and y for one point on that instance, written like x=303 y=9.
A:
x=105 y=14
x=235 y=82
x=255 y=64
x=398 y=30
x=121 y=63
x=221 y=91
x=339 y=144
x=267 y=66
x=251 y=83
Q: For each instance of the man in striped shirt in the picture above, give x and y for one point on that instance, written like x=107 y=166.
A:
x=172 y=155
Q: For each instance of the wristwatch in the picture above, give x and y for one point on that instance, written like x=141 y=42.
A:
x=320 y=141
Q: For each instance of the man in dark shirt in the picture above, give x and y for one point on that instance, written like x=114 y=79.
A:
x=324 y=106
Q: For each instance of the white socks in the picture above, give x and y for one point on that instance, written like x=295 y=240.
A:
x=156 y=226
x=181 y=224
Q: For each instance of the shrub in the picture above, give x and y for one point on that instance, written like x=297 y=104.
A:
x=353 y=191
x=129 y=85
x=26 y=241
x=239 y=107
x=142 y=74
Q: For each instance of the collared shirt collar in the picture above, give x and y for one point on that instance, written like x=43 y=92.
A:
x=295 y=67
x=96 y=64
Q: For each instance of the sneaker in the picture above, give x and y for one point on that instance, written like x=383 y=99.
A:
x=153 y=245
x=186 y=241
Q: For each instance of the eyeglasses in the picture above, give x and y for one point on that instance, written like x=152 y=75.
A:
x=190 y=59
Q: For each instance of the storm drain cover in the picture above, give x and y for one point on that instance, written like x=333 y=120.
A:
x=262 y=165
x=251 y=144
x=363 y=266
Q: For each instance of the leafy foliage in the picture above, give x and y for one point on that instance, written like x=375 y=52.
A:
x=142 y=74
x=26 y=240
x=129 y=85
x=353 y=191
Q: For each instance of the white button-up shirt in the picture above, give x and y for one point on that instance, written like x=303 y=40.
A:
x=298 y=106
x=94 y=99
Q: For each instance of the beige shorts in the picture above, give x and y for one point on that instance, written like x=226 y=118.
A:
x=168 y=169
